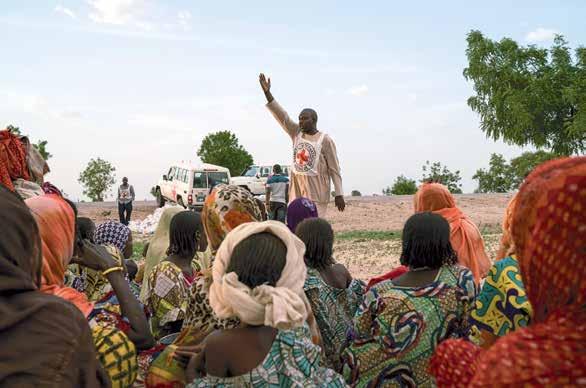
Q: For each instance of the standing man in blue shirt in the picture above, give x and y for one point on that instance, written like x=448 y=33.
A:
x=277 y=194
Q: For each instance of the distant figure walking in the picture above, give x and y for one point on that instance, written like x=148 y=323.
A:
x=277 y=195
x=125 y=199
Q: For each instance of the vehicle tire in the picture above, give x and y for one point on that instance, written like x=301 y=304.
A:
x=160 y=198
x=180 y=203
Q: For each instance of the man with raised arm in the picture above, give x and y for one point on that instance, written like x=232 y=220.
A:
x=315 y=160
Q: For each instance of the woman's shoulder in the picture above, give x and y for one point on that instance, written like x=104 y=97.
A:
x=53 y=308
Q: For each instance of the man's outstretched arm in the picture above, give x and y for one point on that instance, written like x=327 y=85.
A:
x=290 y=126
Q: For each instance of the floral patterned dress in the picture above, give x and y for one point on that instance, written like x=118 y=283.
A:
x=334 y=309
x=292 y=361
x=397 y=329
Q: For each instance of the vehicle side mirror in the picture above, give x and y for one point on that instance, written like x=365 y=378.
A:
x=165 y=177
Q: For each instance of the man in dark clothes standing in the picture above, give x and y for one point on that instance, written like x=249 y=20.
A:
x=277 y=194
x=125 y=199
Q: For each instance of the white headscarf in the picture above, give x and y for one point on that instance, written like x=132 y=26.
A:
x=282 y=307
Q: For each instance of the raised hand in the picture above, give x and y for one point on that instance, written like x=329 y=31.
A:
x=265 y=83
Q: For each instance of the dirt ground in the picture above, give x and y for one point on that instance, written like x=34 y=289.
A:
x=364 y=257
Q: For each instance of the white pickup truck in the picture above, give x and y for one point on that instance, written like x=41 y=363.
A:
x=254 y=178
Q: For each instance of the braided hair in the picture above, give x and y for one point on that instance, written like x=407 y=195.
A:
x=318 y=236
x=185 y=233
x=426 y=242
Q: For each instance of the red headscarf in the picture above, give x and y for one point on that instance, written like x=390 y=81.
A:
x=550 y=237
x=464 y=235
x=12 y=159
x=56 y=222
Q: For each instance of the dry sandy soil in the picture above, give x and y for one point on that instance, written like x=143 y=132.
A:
x=365 y=257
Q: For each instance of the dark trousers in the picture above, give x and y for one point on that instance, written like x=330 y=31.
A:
x=124 y=211
x=278 y=211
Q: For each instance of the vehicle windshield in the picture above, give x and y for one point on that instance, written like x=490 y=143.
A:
x=251 y=172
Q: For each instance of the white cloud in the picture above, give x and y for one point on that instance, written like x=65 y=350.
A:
x=65 y=11
x=184 y=19
x=541 y=35
x=118 y=12
x=358 y=91
x=412 y=97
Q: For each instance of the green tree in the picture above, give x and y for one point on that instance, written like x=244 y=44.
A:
x=97 y=178
x=497 y=179
x=522 y=165
x=387 y=191
x=403 y=186
x=529 y=95
x=356 y=193
x=222 y=148
x=440 y=174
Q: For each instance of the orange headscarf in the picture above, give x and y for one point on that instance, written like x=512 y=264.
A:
x=56 y=222
x=464 y=235
x=550 y=237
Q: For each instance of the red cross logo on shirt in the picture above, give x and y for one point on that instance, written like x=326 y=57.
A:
x=302 y=157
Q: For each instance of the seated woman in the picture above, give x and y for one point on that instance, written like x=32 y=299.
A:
x=464 y=235
x=298 y=210
x=75 y=275
x=333 y=294
x=45 y=340
x=171 y=279
x=549 y=238
x=402 y=320
x=157 y=248
x=116 y=339
x=258 y=278
x=117 y=239
x=502 y=305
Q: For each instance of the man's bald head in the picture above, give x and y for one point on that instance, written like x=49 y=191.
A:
x=308 y=120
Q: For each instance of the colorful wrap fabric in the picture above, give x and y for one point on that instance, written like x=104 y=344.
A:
x=117 y=355
x=298 y=210
x=550 y=238
x=464 y=235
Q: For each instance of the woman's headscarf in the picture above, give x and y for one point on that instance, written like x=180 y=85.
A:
x=157 y=247
x=112 y=233
x=550 y=238
x=224 y=209
x=282 y=306
x=56 y=221
x=298 y=210
x=464 y=235
x=507 y=247
x=40 y=334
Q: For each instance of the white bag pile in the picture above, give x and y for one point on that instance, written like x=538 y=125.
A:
x=149 y=224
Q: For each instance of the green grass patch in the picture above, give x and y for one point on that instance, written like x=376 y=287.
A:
x=137 y=247
x=381 y=235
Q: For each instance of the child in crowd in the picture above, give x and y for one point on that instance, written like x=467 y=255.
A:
x=258 y=277
x=333 y=294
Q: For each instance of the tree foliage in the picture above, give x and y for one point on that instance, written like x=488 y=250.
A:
x=356 y=193
x=529 y=95
x=222 y=148
x=441 y=174
x=503 y=176
x=402 y=186
x=497 y=179
x=97 y=178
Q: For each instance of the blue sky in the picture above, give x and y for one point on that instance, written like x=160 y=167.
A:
x=140 y=83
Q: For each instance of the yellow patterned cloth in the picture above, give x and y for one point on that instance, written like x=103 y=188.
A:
x=502 y=305
x=117 y=355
